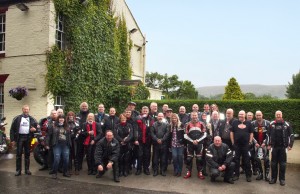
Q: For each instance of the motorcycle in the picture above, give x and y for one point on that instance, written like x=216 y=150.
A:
x=37 y=144
x=4 y=141
x=39 y=149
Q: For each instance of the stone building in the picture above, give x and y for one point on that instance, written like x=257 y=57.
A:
x=28 y=30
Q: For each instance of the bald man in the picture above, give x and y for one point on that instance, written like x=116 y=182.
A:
x=281 y=141
x=219 y=159
x=21 y=132
x=260 y=139
x=241 y=136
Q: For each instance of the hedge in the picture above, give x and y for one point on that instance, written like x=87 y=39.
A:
x=290 y=108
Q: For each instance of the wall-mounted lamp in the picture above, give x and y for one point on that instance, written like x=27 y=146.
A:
x=133 y=30
x=145 y=43
x=22 y=7
x=139 y=49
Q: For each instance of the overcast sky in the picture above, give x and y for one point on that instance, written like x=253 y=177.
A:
x=209 y=41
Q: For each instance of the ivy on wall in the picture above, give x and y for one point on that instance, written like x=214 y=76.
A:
x=96 y=58
x=123 y=46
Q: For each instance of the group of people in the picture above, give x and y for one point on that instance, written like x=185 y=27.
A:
x=217 y=142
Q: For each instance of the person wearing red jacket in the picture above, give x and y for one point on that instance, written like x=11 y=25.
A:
x=93 y=133
x=142 y=141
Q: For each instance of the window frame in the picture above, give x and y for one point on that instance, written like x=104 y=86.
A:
x=59 y=102
x=60 y=32
x=1 y=100
x=2 y=32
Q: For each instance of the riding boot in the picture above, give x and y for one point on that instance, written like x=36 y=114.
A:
x=116 y=172
x=121 y=170
x=18 y=166
x=267 y=174
x=259 y=176
x=27 y=163
x=126 y=170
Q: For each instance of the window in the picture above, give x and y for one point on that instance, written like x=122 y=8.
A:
x=2 y=33
x=1 y=100
x=60 y=34
x=59 y=103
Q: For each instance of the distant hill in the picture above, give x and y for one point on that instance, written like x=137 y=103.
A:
x=275 y=90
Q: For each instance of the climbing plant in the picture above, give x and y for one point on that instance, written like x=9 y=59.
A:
x=123 y=46
x=97 y=55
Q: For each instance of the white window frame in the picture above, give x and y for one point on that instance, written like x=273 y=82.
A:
x=1 y=100
x=60 y=32
x=2 y=32
x=59 y=102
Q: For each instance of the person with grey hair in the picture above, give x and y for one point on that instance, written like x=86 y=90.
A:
x=81 y=118
x=92 y=133
x=60 y=111
x=225 y=127
x=22 y=128
x=160 y=135
x=142 y=141
x=153 y=110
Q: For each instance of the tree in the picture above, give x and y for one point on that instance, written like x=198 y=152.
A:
x=293 y=89
x=153 y=80
x=186 y=91
x=233 y=91
x=250 y=96
x=171 y=86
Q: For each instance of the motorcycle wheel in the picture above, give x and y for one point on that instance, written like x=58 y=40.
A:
x=38 y=155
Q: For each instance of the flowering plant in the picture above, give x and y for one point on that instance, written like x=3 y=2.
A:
x=18 y=92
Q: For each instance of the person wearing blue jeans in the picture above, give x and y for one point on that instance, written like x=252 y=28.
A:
x=177 y=138
x=59 y=137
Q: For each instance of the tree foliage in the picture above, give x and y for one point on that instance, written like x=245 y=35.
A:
x=141 y=93
x=171 y=86
x=252 y=96
x=96 y=59
x=186 y=90
x=154 y=80
x=233 y=91
x=293 y=89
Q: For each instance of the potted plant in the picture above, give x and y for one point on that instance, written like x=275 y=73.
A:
x=18 y=92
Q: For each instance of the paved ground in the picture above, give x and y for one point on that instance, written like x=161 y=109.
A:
x=143 y=183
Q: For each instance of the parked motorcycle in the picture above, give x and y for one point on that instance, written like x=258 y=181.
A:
x=4 y=142
x=39 y=150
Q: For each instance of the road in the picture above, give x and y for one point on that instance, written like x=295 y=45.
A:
x=41 y=182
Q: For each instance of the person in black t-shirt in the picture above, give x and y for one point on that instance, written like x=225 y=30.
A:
x=241 y=136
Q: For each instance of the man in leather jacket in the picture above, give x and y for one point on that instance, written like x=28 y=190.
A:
x=111 y=121
x=21 y=132
x=219 y=159
x=260 y=140
x=281 y=141
x=195 y=134
x=142 y=141
x=107 y=155
x=160 y=134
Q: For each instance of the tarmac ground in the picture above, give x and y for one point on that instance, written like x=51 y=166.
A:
x=41 y=182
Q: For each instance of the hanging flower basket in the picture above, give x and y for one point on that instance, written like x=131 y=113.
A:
x=18 y=92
